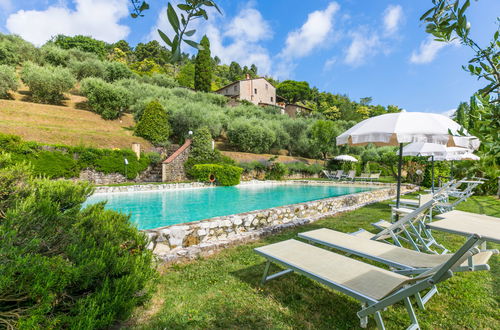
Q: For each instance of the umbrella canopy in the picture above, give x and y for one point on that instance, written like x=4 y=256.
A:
x=346 y=158
x=424 y=149
x=394 y=129
x=404 y=127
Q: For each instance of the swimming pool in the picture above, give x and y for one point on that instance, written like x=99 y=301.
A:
x=153 y=209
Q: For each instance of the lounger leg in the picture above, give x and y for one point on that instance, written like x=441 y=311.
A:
x=378 y=319
x=420 y=303
x=363 y=322
x=411 y=313
x=266 y=271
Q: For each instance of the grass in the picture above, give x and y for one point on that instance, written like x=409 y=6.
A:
x=140 y=183
x=224 y=292
x=66 y=125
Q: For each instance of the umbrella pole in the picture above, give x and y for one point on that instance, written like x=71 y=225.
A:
x=400 y=165
x=432 y=183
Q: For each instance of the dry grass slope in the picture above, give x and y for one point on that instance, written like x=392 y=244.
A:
x=65 y=125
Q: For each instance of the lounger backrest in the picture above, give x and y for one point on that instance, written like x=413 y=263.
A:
x=440 y=272
x=365 y=175
x=374 y=176
x=352 y=174
x=339 y=173
x=413 y=216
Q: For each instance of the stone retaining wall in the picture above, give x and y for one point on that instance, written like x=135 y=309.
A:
x=205 y=237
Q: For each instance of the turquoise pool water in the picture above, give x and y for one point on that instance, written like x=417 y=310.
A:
x=164 y=208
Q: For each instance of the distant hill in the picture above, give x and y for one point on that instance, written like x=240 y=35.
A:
x=65 y=124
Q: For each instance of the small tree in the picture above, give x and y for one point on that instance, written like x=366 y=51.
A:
x=294 y=91
x=324 y=133
x=154 y=125
x=8 y=80
x=203 y=67
x=106 y=99
x=47 y=84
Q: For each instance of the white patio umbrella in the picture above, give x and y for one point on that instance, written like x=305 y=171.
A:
x=346 y=158
x=454 y=153
x=395 y=129
x=426 y=149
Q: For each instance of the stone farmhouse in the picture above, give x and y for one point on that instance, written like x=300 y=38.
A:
x=259 y=91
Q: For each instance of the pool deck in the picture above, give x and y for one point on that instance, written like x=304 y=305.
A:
x=190 y=240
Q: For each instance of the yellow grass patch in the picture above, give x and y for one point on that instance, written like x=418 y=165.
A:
x=66 y=125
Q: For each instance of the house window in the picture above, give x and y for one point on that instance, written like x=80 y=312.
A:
x=255 y=91
x=271 y=98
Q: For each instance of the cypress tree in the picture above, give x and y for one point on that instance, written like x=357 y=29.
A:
x=461 y=114
x=154 y=125
x=203 y=67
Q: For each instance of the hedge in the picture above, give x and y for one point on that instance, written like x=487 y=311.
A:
x=224 y=175
x=66 y=162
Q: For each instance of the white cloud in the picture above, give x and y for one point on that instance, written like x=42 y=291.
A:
x=428 y=50
x=235 y=40
x=393 y=16
x=97 y=18
x=449 y=113
x=329 y=63
x=361 y=47
x=311 y=34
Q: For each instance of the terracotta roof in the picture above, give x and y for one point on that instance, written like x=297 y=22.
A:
x=177 y=152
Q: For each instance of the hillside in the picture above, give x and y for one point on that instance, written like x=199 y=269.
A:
x=65 y=125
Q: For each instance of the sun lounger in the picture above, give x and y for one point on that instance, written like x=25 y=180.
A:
x=405 y=261
x=350 y=176
x=375 y=287
x=339 y=175
x=410 y=229
x=374 y=177
x=363 y=177
x=328 y=175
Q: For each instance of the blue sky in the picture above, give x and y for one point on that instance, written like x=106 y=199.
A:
x=355 y=47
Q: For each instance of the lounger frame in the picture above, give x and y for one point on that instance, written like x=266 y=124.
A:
x=372 y=306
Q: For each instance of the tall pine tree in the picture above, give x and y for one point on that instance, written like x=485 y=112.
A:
x=203 y=67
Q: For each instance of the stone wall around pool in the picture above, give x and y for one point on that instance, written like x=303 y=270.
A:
x=205 y=237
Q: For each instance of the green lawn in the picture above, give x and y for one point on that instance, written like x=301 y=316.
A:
x=224 y=292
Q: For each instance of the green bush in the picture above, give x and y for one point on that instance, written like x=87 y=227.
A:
x=116 y=71
x=66 y=161
x=277 y=171
x=82 y=43
x=161 y=80
x=64 y=266
x=440 y=169
x=14 y=50
x=106 y=99
x=53 y=55
x=47 y=84
x=253 y=166
x=53 y=164
x=88 y=68
x=154 y=125
x=299 y=167
x=251 y=136
x=225 y=175
x=8 y=80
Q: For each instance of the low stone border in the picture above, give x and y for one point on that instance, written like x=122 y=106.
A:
x=170 y=186
x=206 y=237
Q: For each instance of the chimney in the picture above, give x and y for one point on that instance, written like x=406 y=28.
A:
x=248 y=76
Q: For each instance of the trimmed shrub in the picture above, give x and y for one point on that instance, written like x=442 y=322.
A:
x=8 y=80
x=116 y=71
x=53 y=164
x=47 y=84
x=88 y=68
x=299 y=167
x=154 y=125
x=224 y=175
x=277 y=171
x=64 y=266
x=106 y=99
